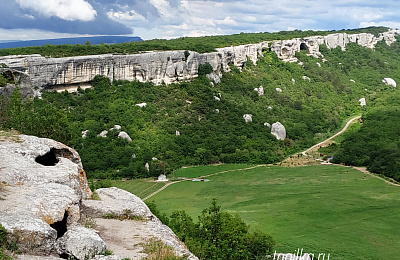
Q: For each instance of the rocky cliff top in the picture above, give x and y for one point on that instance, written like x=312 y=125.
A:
x=44 y=192
x=167 y=66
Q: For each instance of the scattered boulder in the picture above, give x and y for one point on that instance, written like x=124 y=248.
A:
x=84 y=133
x=267 y=124
x=217 y=98
x=133 y=155
x=293 y=81
x=103 y=133
x=389 y=82
x=260 y=91
x=278 y=89
x=154 y=159
x=352 y=80
x=177 y=133
x=278 y=130
x=248 y=118
x=124 y=135
x=147 y=166
x=269 y=107
x=362 y=101
x=81 y=243
x=319 y=64
x=141 y=105
x=306 y=78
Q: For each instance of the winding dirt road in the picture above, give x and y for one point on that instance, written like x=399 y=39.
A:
x=333 y=136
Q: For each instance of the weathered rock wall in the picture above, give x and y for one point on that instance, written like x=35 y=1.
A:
x=172 y=66
x=157 y=67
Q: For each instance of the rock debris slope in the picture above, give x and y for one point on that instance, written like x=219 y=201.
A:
x=43 y=193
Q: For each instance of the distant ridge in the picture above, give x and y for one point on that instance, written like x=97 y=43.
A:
x=72 y=41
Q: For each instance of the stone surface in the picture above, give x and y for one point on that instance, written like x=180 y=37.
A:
x=141 y=105
x=124 y=135
x=115 y=201
x=260 y=91
x=81 y=243
x=362 y=101
x=306 y=78
x=278 y=130
x=248 y=118
x=37 y=196
x=278 y=89
x=267 y=125
x=389 y=82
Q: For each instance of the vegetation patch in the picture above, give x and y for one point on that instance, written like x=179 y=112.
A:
x=127 y=215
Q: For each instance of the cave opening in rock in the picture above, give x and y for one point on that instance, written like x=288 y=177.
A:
x=61 y=226
x=303 y=47
x=48 y=159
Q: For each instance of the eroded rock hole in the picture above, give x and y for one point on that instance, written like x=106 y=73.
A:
x=303 y=47
x=60 y=226
x=48 y=159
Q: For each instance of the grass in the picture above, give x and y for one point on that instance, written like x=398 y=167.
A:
x=139 y=187
x=322 y=209
x=144 y=187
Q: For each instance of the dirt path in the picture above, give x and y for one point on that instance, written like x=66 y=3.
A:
x=364 y=170
x=124 y=238
x=333 y=136
x=201 y=177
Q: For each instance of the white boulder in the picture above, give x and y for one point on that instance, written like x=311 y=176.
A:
x=278 y=89
x=141 y=105
x=103 y=133
x=81 y=243
x=278 y=130
x=260 y=90
x=248 y=118
x=217 y=98
x=389 y=82
x=84 y=133
x=267 y=124
x=306 y=78
x=362 y=101
x=124 y=135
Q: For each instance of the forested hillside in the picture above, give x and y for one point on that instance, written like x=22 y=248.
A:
x=201 y=122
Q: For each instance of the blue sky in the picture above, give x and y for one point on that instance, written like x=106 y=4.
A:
x=42 y=19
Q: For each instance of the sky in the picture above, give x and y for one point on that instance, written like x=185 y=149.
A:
x=165 y=19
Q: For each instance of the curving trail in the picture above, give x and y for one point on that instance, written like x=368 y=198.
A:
x=201 y=177
x=333 y=136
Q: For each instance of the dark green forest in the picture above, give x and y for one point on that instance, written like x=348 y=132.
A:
x=211 y=130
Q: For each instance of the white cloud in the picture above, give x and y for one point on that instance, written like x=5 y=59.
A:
x=227 y=21
x=69 y=10
x=129 y=16
x=163 y=7
x=390 y=24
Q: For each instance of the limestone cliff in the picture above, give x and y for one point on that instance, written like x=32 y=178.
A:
x=43 y=194
x=170 y=66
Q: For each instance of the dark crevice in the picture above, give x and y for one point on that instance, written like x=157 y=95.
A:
x=61 y=226
x=303 y=47
x=48 y=159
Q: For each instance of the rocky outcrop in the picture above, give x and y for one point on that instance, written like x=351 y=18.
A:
x=158 y=67
x=389 y=82
x=43 y=192
x=286 y=49
x=117 y=202
x=278 y=130
x=168 y=66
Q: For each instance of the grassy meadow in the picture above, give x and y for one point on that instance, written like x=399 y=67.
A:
x=322 y=209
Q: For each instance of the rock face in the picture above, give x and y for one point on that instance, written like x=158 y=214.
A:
x=45 y=186
x=117 y=202
x=278 y=130
x=248 y=118
x=169 y=66
x=362 y=101
x=43 y=190
x=389 y=82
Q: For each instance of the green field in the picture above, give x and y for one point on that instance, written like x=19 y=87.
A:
x=322 y=209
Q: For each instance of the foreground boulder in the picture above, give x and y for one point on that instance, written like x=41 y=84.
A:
x=278 y=130
x=42 y=189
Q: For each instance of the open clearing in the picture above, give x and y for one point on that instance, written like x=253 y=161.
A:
x=322 y=209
